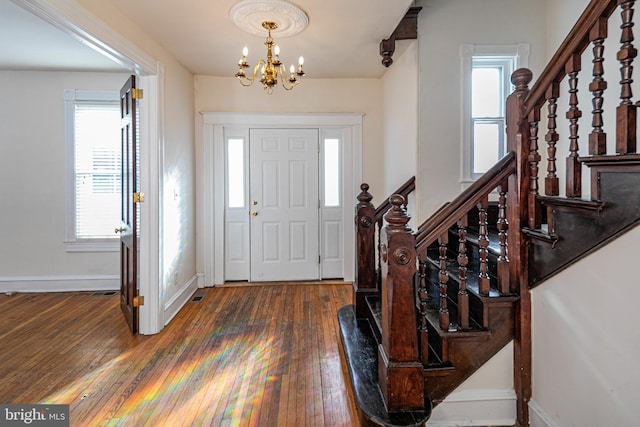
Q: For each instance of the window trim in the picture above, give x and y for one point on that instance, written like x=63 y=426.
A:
x=520 y=53
x=71 y=242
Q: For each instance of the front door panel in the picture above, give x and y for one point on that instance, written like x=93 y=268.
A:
x=284 y=204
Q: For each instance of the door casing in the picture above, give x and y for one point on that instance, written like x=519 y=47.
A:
x=82 y=25
x=212 y=192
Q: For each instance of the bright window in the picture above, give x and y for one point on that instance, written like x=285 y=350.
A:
x=487 y=84
x=332 y=172
x=93 y=170
x=235 y=170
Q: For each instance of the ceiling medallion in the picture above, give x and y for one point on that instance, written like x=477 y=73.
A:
x=248 y=15
x=256 y=16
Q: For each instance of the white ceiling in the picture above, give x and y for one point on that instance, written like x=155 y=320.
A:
x=341 y=40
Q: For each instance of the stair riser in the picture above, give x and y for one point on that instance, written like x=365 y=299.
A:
x=477 y=310
x=581 y=233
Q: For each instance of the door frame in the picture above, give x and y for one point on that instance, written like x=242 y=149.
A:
x=213 y=176
x=80 y=24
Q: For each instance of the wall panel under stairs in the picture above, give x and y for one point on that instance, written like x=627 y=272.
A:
x=587 y=341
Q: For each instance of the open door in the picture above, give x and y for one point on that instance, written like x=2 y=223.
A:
x=131 y=196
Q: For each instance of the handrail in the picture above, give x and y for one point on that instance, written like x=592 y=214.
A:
x=444 y=218
x=404 y=190
x=576 y=42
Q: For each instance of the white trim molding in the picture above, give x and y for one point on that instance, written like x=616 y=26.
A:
x=476 y=407
x=181 y=297
x=88 y=29
x=212 y=188
x=538 y=417
x=105 y=282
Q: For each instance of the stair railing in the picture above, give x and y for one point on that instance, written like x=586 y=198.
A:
x=369 y=221
x=524 y=112
x=436 y=229
x=403 y=352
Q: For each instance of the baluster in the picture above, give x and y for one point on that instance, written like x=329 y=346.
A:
x=551 y=182
x=626 y=111
x=503 y=226
x=574 y=173
x=463 y=260
x=597 y=138
x=443 y=277
x=378 y=243
x=423 y=296
x=534 y=159
x=483 y=245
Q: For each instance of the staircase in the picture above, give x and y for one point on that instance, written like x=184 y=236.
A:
x=434 y=303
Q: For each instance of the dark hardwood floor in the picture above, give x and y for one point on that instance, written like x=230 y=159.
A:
x=243 y=356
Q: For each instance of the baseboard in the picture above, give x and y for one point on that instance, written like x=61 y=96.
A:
x=200 y=280
x=60 y=283
x=538 y=417
x=173 y=306
x=480 y=407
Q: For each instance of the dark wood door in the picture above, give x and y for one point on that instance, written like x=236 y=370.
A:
x=130 y=198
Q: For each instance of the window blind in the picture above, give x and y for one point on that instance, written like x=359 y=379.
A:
x=97 y=169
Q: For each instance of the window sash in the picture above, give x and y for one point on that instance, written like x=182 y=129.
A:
x=481 y=160
x=93 y=170
x=505 y=58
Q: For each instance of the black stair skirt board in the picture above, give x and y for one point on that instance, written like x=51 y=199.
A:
x=361 y=351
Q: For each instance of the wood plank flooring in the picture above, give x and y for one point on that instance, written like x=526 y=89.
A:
x=243 y=356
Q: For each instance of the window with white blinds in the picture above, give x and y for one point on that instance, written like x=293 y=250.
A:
x=93 y=170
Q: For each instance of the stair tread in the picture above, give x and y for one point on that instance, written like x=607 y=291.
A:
x=611 y=159
x=361 y=352
x=472 y=282
x=572 y=203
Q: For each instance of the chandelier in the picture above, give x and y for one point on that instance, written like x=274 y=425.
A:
x=272 y=71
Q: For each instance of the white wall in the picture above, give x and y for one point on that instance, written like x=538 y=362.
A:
x=32 y=184
x=179 y=201
x=586 y=342
x=222 y=94
x=400 y=122
x=443 y=27
x=400 y=116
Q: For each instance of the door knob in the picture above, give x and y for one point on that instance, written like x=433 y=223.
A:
x=254 y=213
x=120 y=229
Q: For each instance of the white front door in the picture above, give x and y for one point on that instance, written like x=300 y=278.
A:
x=284 y=203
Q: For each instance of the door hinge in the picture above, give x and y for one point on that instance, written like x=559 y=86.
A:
x=136 y=93
x=138 y=197
x=318 y=259
x=138 y=301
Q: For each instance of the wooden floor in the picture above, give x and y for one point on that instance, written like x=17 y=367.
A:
x=243 y=356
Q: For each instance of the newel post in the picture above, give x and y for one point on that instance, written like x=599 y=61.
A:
x=400 y=372
x=518 y=211
x=365 y=223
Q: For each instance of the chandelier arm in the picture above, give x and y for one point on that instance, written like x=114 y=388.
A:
x=284 y=79
x=257 y=67
x=245 y=79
